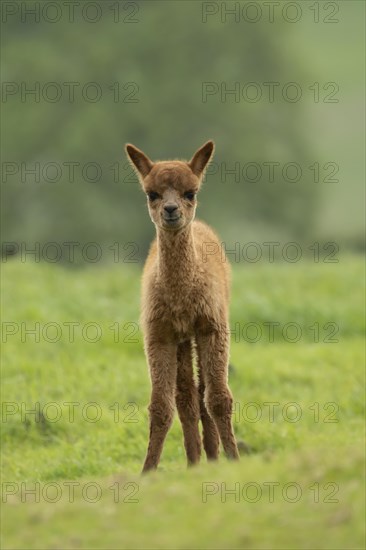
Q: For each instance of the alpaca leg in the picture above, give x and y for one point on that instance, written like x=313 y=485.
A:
x=163 y=370
x=213 y=351
x=187 y=401
x=210 y=433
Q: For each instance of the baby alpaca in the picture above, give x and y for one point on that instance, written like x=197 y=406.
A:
x=185 y=306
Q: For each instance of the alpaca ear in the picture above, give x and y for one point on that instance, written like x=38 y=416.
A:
x=141 y=162
x=201 y=158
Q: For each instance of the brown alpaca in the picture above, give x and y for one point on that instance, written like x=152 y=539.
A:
x=185 y=306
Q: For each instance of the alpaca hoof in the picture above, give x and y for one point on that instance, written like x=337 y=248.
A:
x=148 y=468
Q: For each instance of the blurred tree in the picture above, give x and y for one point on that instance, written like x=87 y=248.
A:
x=167 y=57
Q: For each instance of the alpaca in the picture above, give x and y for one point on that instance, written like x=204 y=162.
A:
x=185 y=306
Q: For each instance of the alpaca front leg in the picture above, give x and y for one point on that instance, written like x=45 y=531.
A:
x=162 y=361
x=213 y=351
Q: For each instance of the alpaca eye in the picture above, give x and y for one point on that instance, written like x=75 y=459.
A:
x=189 y=195
x=153 y=196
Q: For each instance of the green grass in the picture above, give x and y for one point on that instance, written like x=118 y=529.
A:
x=308 y=395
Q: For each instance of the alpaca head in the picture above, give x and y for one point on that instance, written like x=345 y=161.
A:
x=171 y=186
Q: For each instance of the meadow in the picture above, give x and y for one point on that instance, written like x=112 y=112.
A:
x=75 y=390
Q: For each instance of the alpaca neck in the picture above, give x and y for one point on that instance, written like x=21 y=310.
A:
x=176 y=257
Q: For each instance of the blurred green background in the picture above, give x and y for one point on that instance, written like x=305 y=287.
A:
x=150 y=61
x=166 y=52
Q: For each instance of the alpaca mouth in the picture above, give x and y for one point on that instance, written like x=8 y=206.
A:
x=172 y=223
x=171 y=220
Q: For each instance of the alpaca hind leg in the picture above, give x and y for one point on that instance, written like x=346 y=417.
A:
x=187 y=401
x=210 y=434
x=213 y=351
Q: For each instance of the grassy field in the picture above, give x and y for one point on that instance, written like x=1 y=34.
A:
x=298 y=382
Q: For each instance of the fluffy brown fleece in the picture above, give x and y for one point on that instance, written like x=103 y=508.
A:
x=185 y=306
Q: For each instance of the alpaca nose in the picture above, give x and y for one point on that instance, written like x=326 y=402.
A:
x=170 y=208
